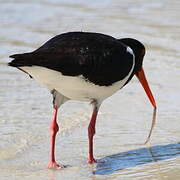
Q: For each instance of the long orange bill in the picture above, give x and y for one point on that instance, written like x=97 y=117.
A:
x=142 y=78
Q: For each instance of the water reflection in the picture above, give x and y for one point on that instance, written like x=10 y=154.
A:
x=129 y=159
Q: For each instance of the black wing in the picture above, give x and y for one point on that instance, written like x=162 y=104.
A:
x=101 y=59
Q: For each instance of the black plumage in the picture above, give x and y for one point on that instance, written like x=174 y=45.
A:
x=101 y=59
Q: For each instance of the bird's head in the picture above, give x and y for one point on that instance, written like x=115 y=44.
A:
x=139 y=52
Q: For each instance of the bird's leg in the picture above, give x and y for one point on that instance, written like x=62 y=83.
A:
x=54 y=128
x=58 y=100
x=91 y=133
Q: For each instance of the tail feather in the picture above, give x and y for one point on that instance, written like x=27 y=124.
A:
x=20 y=60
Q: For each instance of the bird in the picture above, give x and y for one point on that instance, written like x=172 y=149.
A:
x=84 y=66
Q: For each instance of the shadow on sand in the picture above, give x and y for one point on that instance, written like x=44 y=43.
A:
x=123 y=160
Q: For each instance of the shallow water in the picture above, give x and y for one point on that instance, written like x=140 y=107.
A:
x=124 y=119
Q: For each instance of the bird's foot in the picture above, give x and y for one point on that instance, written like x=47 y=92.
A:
x=91 y=160
x=54 y=165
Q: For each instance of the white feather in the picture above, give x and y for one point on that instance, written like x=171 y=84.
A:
x=73 y=87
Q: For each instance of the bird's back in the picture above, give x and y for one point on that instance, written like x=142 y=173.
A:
x=99 y=58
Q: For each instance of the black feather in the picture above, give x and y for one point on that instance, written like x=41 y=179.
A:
x=101 y=59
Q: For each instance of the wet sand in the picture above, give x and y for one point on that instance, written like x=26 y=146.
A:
x=124 y=119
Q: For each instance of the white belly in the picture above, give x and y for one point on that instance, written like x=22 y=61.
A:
x=73 y=87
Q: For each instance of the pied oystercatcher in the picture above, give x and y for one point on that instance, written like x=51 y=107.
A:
x=84 y=66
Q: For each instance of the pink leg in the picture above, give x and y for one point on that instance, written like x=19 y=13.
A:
x=91 y=132
x=53 y=131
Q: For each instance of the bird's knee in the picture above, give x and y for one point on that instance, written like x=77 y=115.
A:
x=54 y=128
